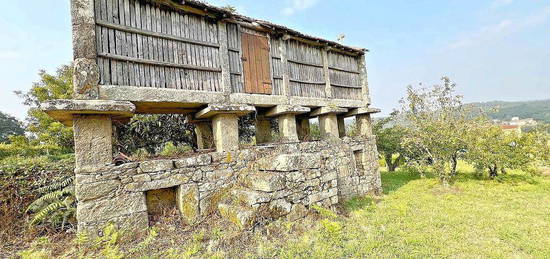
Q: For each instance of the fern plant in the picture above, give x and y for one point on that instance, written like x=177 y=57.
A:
x=56 y=205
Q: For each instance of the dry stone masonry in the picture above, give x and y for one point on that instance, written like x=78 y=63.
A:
x=245 y=186
x=188 y=57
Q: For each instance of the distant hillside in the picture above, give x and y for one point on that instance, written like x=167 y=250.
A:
x=538 y=110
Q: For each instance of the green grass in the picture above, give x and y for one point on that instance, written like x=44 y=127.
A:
x=417 y=219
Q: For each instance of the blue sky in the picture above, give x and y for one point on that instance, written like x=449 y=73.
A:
x=493 y=49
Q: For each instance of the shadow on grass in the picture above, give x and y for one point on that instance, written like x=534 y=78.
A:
x=392 y=181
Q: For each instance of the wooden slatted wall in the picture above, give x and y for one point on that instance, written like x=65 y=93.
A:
x=143 y=45
x=305 y=70
x=344 y=76
x=277 y=66
x=235 y=63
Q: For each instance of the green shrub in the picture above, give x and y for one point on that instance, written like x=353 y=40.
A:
x=170 y=149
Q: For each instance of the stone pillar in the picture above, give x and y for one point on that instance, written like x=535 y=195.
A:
x=205 y=137
x=287 y=128
x=93 y=141
x=341 y=126
x=303 y=128
x=364 y=124
x=328 y=125
x=226 y=131
x=263 y=130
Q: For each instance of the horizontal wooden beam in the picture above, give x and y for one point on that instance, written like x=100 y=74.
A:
x=307 y=82
x=305 y=63
x=344 y=70
x=346 y=86
x=157 y=63
x=125 y=28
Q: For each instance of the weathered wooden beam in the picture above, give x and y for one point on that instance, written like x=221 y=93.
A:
x=347 y=86
x=159 y=35
x=224 y=58
x=307 y=82
x=326 y=74
x=305 y=63
x=344 y=70
x=157 y=63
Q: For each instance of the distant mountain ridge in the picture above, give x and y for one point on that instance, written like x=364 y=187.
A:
x=538 y=110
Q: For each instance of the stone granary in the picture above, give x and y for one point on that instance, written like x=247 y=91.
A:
x=187 y=57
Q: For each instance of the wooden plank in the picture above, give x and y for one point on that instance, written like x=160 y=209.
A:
x=157 y=63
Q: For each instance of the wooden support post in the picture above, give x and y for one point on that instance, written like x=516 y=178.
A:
x=326 y=72
x=224 y=58
x=284 y=66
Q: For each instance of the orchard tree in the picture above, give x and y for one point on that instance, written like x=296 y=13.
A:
x=388 y=142
x=438 y=125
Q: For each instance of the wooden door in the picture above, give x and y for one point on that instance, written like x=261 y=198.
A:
x=256 y=65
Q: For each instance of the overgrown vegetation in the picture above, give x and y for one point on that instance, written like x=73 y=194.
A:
x=476 y=218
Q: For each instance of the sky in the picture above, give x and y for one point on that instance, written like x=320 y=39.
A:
x=492 y=49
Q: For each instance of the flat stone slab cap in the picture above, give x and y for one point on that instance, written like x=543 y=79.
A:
x=215 y=109
x=328 y=110
x=286 y=109
x=64 y=109
x=359 y=111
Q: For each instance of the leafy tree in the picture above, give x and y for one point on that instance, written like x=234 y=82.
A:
x=388 y=142
x=497 y=150
x=438 y=126
x=44 y=129
x=9 y=126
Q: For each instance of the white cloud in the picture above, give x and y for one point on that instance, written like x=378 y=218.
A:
x=298 y=5
x=501 y=29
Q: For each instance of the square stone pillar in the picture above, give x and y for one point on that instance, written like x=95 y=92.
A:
x=263 y=130
x=205 y=136
x=341 y=126
x=226 y=131
x=364 y=124
x=93 y=141
x=328 y=125
x=303 y=128
x=287 y=128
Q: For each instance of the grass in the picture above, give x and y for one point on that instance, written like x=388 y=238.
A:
x=415 y=218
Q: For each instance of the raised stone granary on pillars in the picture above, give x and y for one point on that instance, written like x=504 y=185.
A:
x=187 y=57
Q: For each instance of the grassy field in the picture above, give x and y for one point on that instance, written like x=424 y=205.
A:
x=415 y=218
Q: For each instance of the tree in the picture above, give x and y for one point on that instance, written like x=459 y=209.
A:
x=438 y=126
x=497 y=150
x=43 y=128
x=9 y=126
x=388 y=142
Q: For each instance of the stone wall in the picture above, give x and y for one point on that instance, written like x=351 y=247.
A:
x=245 y=186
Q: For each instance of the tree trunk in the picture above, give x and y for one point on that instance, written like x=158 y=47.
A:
x=389 y=163
x=454 y=164
x=493 y=171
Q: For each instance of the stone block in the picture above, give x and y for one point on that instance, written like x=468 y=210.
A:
x=188 y=202
x=93 y=141
x=95 y=190
x=290 y=162
x=226 y=132
x=266 y=181
x=199 y=160
x=287 y=128
x=156 y=165
x=105 y=209
x=141 y=178
x=241 y=217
